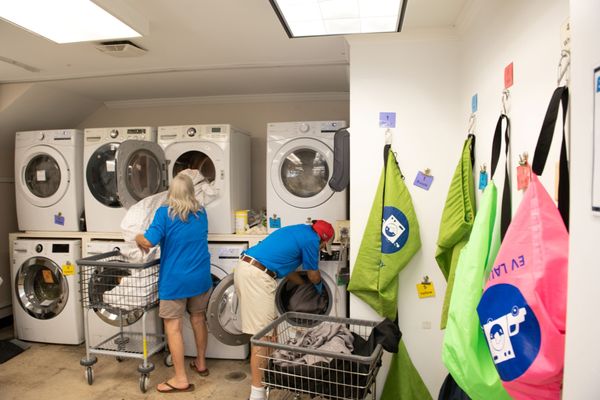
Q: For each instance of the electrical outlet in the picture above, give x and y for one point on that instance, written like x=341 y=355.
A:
x=426 y=324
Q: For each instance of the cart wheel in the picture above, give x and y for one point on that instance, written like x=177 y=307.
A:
x=89 y=374
x=144 y=382
x=168 y=360
x=119 y=359
x=267 y=392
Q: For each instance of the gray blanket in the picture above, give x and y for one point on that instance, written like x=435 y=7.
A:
x=326 y=336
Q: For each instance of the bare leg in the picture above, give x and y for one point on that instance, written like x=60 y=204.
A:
x=257 y=362
x=198 y=321
x=175 y=340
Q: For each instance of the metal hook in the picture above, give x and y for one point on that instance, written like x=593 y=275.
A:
x=523 y=158
x=388 y=136
x=472 y=120
x=505 y=99
x=483 y=168
x=562 y=69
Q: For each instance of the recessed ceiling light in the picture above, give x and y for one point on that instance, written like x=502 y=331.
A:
x=65 y=21
x=302 y=18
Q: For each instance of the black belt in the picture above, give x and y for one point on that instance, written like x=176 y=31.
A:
x=257 y=264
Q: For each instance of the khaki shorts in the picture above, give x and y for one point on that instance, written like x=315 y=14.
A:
x=173 y=309
x=256 y=293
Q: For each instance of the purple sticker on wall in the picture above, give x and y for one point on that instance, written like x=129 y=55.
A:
x=387 y=119
x=423 y=181
x=59 y=220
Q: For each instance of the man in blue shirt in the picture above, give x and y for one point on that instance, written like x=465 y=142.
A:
x=276 y=257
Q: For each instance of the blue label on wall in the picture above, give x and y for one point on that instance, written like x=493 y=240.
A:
x=483 y=180
x=274 y=223
x=511 y=330
x=387 y=119
x=394 y=230
x=474 y=103
x=59 y=220
x=598 y=85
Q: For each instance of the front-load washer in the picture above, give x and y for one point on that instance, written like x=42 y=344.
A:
x=105 y=322
x=45 y=291
x=48 y=180
x=222 y=315
x=121 y=167
x=222 y=155
x=335 y=294
x=299 y=167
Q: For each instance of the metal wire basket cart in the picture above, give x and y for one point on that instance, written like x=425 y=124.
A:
x=314 y=371
x=128 y=290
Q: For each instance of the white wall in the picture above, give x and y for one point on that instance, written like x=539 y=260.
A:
x=428 y=81
x=249 y=116
x=582 y=368
x=417 y=80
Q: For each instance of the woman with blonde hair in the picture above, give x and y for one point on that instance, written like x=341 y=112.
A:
x=184 y=282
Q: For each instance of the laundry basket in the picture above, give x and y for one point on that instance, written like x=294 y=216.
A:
x=333 y=376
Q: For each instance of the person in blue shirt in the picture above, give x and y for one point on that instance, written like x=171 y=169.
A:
x=275 y=257
x=184 y=281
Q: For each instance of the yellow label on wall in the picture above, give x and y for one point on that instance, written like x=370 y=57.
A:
x=68 y=269
x=425 y=290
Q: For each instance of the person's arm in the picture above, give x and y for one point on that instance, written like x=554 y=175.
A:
x=295 y=277
x=310 y=263
x=155 y=233
x=143 y=243
x=314 y=276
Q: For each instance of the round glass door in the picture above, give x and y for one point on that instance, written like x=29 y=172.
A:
x=41 y=288
x=101 y=175
x=304 y=172
x=195 y=160
x=42 y=176
x=223 y=314
x=144 y=176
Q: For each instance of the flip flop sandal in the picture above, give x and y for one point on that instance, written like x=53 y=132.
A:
x=173 y=389
x=204 y=372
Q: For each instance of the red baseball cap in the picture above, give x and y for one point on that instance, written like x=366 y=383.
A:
x=325 y=232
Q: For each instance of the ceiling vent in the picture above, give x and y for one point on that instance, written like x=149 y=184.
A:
x=121 y=48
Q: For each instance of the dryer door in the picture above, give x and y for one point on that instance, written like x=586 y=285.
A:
x=223 y=314
x=300 y=171
x=41 y=288
x=304 y=298
x=44 y=176
x=101 y=175
x=206 y=157
x=141 y=171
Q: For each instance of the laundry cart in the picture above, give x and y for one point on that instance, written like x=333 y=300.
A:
x=305 y=365
x=108 y=282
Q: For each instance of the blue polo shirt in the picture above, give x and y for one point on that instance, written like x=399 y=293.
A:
x=184 y=259
x=288 y=247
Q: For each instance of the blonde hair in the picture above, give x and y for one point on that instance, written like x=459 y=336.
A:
x=181 y=199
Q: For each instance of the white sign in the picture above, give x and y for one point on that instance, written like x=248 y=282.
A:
x=596 y=165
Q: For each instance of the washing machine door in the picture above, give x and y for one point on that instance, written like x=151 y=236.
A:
x=300 y=172
x=204 y=156
x=41 y=288
x=44 y=176
x=303 y=298
x=141 y=171
x=223 y=314
x=101 y=175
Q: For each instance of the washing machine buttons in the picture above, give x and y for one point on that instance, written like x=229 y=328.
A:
x=41 y=136
x=114 y=133
x=191 y=132
x=39 y=248
x=304 y=127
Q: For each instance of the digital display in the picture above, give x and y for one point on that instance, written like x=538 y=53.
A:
x=60 y=248
x=215 y=130
x=135 y=131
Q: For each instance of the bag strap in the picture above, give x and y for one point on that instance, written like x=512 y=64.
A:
x=506 y=213
x=542 y=149
x=472 y=148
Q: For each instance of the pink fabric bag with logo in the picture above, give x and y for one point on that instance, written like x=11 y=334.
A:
x=523 y=309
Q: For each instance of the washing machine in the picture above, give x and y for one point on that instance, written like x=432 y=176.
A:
x=299 y=167
x=222 y=154
x=48 y=180
x=225 y=338
x=45 y=291
x=334 y=299
x=121 y=167
x=105 y=322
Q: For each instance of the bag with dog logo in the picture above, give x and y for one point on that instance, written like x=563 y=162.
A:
x=523 y=309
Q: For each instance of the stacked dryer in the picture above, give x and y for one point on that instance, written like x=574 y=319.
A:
x=48 y=180
x=299 y=167
x=121 y=167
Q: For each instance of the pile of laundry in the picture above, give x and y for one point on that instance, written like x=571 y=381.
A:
x=135 y=291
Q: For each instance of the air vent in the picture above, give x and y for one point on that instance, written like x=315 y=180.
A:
x=121 y=48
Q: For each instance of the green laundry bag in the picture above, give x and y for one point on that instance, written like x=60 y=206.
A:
x=457 y=220
x=403 y=381
x=465 y=350
x=390 y=240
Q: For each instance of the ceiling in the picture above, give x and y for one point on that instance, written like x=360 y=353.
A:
x=200 y=48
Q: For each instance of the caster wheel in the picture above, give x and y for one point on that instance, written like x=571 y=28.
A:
x=144 y=381
x=119 y=359
x=89 y=374
x=168 y=360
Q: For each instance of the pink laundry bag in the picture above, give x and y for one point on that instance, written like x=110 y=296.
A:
x=523 y=308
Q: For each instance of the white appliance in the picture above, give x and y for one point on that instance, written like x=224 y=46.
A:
x=121 y=167
x=45 y=291
x=299 y=167
x=222 y=154
x=48 y=180
x=222 y=314
x=103 y=322
x=334 y=285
